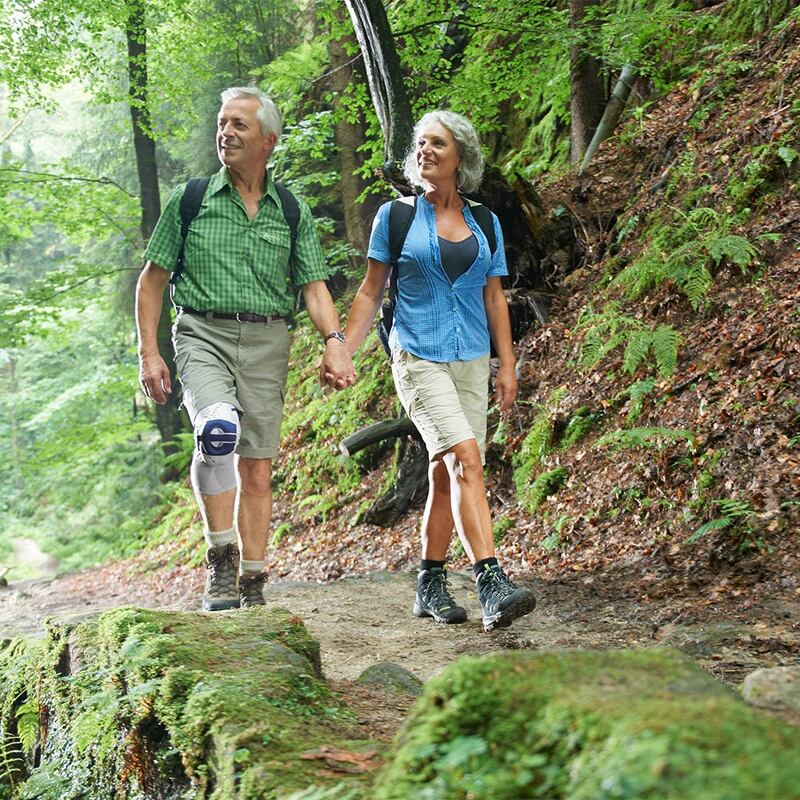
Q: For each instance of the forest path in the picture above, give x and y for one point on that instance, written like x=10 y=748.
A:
x=366 y=619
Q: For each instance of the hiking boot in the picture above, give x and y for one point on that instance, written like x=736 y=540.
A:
x=434 y=598
x=501 y=601
x=222 y=578
x=251 y=590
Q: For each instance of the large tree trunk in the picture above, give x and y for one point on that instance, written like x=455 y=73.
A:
x=168 y=417
x=349 y=137
x=587 y=93
x=384 y=76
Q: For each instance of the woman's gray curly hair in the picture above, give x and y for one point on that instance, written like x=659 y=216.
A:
x=470 y=171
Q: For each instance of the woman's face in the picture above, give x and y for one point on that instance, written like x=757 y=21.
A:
x=437 y=154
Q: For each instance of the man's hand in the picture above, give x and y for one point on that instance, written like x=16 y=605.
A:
x=505 y=387
x=336 y=366
x=154 y=378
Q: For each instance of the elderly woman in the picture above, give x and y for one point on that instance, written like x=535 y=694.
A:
x=449 y=302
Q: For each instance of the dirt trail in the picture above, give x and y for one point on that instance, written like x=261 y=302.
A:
x=363 y=620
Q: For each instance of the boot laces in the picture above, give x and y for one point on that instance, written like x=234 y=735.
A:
x=436 y=591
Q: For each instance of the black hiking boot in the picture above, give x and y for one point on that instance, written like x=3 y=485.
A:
x=251 y=590
x=502 y=602
x=434 y=598
x=222 y=578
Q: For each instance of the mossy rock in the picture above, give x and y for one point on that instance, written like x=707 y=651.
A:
x=151 y=704
x=586 y=725
x=392 y=677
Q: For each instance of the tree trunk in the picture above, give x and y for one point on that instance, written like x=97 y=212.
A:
x=16 y=466
x=587 y=90
x=613 y=112
x=349 y=137
x=168 y=417
x=384 y=76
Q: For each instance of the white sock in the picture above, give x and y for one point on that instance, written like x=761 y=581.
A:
x=220 y=538
x=249 y=567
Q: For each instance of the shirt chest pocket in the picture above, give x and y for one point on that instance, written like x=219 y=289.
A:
x=271 y=247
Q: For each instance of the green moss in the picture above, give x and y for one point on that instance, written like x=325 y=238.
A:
x=221 y=706
x=545 y=484
x=582 y=725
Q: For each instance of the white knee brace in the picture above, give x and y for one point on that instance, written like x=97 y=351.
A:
x=216 y=434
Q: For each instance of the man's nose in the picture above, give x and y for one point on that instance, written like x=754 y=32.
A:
x=226 y=129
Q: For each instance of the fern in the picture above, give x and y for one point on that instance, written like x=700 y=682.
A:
x=732 y=512
x=643 y=437
x=694 y=280
x=636 y=392
x=666 y=341
x=636 y=350
x=28 y=723
x=735 y=249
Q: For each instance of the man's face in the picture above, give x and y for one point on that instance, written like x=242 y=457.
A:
x=240 y=142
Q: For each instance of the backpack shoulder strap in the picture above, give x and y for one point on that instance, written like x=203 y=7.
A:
x=291 y=211
x=401 y=215
x=189 y=208
x=485 y=222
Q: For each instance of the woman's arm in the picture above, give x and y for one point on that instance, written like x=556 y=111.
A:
x=366 y=304
x=500 y=330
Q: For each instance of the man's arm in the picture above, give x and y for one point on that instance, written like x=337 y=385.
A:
x=336 y=366
x=153 y=371
x=497 y=316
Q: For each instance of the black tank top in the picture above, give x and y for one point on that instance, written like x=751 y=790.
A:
x=457 y=257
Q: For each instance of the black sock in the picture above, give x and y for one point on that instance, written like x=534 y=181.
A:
x=477 y=567
x=428 y=563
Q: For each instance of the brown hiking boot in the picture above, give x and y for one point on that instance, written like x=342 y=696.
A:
x=222 y=578
x=251 y=590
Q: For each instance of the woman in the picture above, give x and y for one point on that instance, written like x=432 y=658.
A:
x=450 y=300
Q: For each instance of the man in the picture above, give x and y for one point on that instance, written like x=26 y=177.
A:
x=231 y=340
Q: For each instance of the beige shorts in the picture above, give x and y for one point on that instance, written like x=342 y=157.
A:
x=446 y=401
x=241 y=363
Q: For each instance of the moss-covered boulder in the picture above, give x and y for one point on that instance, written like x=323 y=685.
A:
x=155 y=704
x=584 y=725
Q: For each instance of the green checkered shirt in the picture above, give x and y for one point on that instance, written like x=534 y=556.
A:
x=233 y=263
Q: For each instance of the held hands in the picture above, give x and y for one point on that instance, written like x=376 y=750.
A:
x=505 y=387
x=336 y=366
x=154 y=378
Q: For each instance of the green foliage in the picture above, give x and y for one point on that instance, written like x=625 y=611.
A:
x=608 y=330
x=311 y=467
x=732 y=513
x=545 y=484
x=583 y=420
x=684 y=249
x=637 y=392
x=650 y=438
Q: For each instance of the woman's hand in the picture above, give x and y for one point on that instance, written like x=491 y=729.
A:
x=505 y=387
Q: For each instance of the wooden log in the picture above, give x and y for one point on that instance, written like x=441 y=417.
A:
x=377 y=432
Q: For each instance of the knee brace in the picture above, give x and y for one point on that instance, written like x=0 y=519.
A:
x=216 y=434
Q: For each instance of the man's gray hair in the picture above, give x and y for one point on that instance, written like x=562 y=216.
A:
x=268 y=114
x=470 y=171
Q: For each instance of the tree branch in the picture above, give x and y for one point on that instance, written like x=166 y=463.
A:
x=51 y=176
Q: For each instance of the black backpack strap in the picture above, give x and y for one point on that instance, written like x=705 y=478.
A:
x=190 y=206
x=485 y=222
x=291 y=212
x=401 y=215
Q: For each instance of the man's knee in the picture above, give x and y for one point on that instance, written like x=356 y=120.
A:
x=216 y=434
x=255 y=475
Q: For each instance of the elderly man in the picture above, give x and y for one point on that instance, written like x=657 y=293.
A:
x=240 y=260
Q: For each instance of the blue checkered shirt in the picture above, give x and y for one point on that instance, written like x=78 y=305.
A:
x=438 y=319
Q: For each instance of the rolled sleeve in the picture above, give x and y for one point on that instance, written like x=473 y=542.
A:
x=499 y=266
x=165 y=243
x=308 y=261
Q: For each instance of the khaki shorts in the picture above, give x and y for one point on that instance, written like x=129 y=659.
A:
x=241 y=363
x=446 y=401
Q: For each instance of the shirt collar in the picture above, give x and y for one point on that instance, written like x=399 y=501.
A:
x=220 y=181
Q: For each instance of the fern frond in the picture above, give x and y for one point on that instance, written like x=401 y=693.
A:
x=694 y=280
x=636 y=349
x=637 y=392
x=643 y=437
x=666 y=341
x=735 y=249
x=718 y=524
